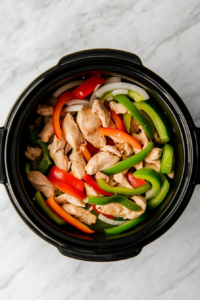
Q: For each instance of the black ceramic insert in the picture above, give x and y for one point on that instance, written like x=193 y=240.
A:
x=186 y=137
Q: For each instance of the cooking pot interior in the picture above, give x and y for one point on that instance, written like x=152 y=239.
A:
x=26 y=201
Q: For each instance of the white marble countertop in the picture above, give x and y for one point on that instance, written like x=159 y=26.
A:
x=34 y=35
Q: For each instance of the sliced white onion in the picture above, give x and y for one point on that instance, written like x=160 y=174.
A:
x=66 y=87
x=72 y=108
x=119 y=92
x=109 y=98
x=93 y=97
x=121 y=85
x=111 y=80
x=77 y=101
x=110 y=221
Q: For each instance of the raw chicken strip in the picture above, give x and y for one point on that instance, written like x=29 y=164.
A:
x=33 y=153
x=57 y=149
x=100 y=175
x=80 y=213
x=71 y=132
x=154 y=155
x=65 y=198
x=111 y=149
x=101 y=161
x=47 y=130
x=126 y=149
x=99 y=111
x=90 y=127
x=121 y=178
x=42 y=184
x=118 y=108
x=90 y=191
x=78 y=164
x=141 y=137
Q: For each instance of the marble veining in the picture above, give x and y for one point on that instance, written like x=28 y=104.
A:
x=34 y=35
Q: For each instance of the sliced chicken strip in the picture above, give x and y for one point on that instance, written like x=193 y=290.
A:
x=111 y=149
x=100 y=111
x=89 y=191
x=47 y=111
x=118 y=210
x=155 y=165
x=100 y=162
x=42 y=184
x=80 y=213
x=68 y=147
x=33 y=153
x=47 y=130
x=138 y=166
x=57 y=153
x=71 y=132
x=141 y=137
x=100 y=175
x=171 y=175
x=126 y=149
x=111 y=180
x=90 y=127
x=65 y=198
x=156 y=138
x=134 y=125
x=118 y=108
x=154 y=155
x=121 y=178
x=78 y=164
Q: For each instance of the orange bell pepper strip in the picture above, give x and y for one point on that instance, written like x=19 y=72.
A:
x=87 y=87
x=66 y=188
x=86 y=154
x=88 y=179
x=67 y=178
x=121 y=134
x=118 y=121
x=56 y=113
x=67 y=217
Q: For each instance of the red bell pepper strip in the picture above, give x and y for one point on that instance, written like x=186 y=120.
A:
x=118 y=121
x=56 y=113
x=66 y=188
x=135 y=182
x=88 y=179
x=92 y=149
x=87 y=87
x=110 y=142
x=67 y=217
x=94 y=207
x=86 y=154
x=67 y=178
x=123 y=135
x=106 y=104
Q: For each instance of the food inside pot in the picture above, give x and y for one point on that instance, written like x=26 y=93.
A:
x=99 y=155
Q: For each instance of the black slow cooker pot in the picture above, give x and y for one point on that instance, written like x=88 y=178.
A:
x=13 y=142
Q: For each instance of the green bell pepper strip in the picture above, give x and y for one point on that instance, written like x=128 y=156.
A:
x=114 y=199
x=59 y=193
x=28 y=167
x=149 y=120
x=106 y=95
x=158 y=119
x=47 y=209
x=127 y=121
x=153 y=177
x=167 y=159
x=153 y=203
x=136 y=114
x=135 y=96
x=127 y=225
x=123 y=190
x=35 y=137
x=130 y=161
x=46 y=160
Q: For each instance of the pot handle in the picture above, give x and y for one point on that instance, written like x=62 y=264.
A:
x=98 y=255
x=197 y=134
x=2 y=172
x=97 y=53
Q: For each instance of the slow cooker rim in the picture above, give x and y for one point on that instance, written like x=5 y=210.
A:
x=23 y=95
